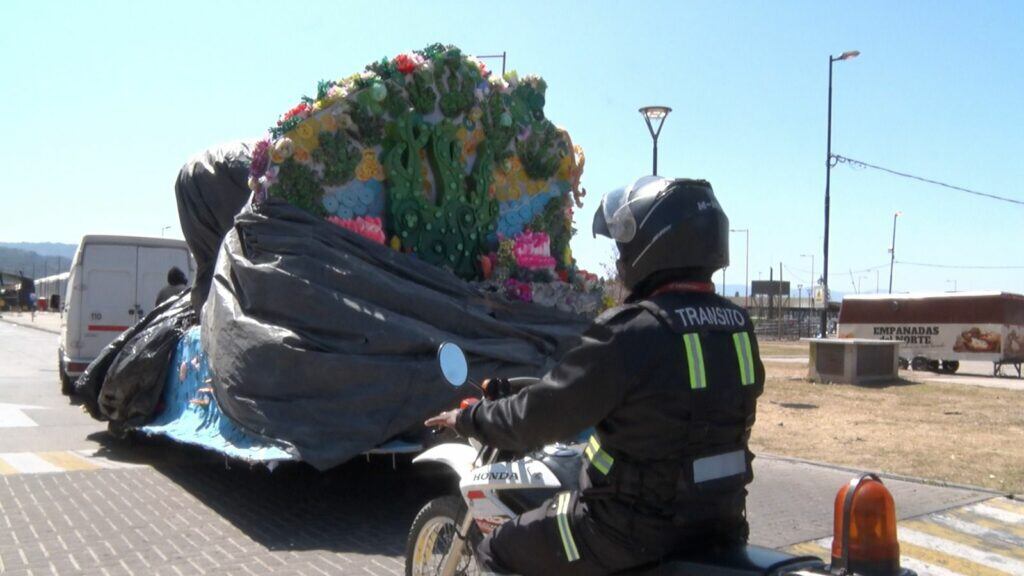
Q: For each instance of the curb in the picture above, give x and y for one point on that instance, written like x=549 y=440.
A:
x=893 y=476
x=40 y=328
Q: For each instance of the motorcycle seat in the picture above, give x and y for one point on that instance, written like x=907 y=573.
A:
x=739 y=560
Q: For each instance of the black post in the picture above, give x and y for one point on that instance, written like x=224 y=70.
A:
x=892 y=258
x=828 y=174
x=655 y=170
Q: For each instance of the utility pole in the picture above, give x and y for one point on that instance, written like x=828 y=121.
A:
x=781 y=308
x=746 y=274
x=892 y=249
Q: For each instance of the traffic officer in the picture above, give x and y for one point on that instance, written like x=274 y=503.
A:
x=670 y=383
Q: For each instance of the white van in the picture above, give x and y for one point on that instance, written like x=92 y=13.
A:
x=114 y=282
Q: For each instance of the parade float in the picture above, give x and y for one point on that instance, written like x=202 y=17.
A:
x=422 y=200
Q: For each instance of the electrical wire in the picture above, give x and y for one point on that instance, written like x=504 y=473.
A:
x=958 y=267
x=861 y=164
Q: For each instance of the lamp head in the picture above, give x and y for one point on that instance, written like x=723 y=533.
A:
x=655 y=112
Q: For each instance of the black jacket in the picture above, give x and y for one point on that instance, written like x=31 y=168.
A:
x=670 y=385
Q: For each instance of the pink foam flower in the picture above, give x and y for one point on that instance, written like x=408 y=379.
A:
x=517 y=290
x=533 y=251
x=369 y=227
x=260 y=159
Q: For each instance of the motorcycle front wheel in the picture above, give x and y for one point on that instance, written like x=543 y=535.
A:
x=431 y=537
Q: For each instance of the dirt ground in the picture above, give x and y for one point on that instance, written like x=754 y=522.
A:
x=948 y=432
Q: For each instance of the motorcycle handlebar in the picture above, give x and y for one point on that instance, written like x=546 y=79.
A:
x=520 y=382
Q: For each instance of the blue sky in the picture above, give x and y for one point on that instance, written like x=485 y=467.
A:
x=102 y=102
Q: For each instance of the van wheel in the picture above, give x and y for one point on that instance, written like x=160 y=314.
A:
x=67 y=386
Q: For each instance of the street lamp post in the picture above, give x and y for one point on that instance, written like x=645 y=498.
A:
x=746 y=274
x=655 y=115
x=810 y=289
x=164 y=229
x=503 y=56
x=892 y=249
x=828 y=173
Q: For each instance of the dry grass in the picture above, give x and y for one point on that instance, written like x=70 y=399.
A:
x=950 y=432
x=782 y=347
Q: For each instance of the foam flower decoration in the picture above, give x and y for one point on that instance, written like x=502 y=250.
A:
x=368 y=227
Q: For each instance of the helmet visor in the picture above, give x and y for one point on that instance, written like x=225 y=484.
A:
x=617 y=206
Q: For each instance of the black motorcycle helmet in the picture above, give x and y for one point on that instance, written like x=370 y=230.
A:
x=664 y=227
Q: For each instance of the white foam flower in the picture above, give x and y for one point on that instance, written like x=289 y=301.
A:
x=499 y=84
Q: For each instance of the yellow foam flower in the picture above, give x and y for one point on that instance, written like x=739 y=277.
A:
x=565 y=168
x=328 y=123
x=369 y=167
x=281 y=150
x=306 y=134
x=534 y=187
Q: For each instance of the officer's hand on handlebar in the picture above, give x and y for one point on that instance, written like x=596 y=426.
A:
x=443 y=420
x=495 y=388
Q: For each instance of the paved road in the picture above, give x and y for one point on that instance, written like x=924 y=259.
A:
x=73 y=500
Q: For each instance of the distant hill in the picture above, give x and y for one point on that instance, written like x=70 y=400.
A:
x=44 y=248
x=32 y=263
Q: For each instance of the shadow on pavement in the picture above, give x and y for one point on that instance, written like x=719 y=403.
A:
x=362 y=506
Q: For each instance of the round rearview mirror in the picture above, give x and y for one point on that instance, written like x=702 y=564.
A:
x=453 y=364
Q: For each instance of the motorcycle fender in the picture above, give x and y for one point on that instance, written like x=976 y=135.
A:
x=459 y=457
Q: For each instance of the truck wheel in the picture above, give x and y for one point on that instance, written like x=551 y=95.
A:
x=919 y=364
x=933 y=365
x=950 y=366
x=904 y=363
x=432 y=535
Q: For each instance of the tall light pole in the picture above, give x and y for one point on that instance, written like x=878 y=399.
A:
x=828 y=173
x=503 y=56
x=655 y=115
x=746 y=275
x=892 y=249
x=810 y=290
x=164 y=229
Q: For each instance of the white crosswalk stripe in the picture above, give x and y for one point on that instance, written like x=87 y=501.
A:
x=983 y=557
x=986 y=537
x=18 y=463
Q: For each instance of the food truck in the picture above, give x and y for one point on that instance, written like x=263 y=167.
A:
x=939 y=330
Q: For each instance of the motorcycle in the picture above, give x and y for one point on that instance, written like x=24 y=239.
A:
x=495 y=486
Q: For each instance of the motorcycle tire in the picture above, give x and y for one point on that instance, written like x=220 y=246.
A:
x=431 y=536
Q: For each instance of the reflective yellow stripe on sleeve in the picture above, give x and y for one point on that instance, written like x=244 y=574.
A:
x=695 y=361
x=601 y=460
x=562 y=516
x=745 y=357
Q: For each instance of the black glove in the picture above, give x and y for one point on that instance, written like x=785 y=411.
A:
x=495 y=388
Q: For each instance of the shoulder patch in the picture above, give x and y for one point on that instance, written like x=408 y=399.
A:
x=695 y=315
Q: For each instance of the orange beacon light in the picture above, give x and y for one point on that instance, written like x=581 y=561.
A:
x=864 y=537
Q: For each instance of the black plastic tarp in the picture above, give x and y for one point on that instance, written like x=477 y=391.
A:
x=123 y=384
x=326 y=341
x=211 y=189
